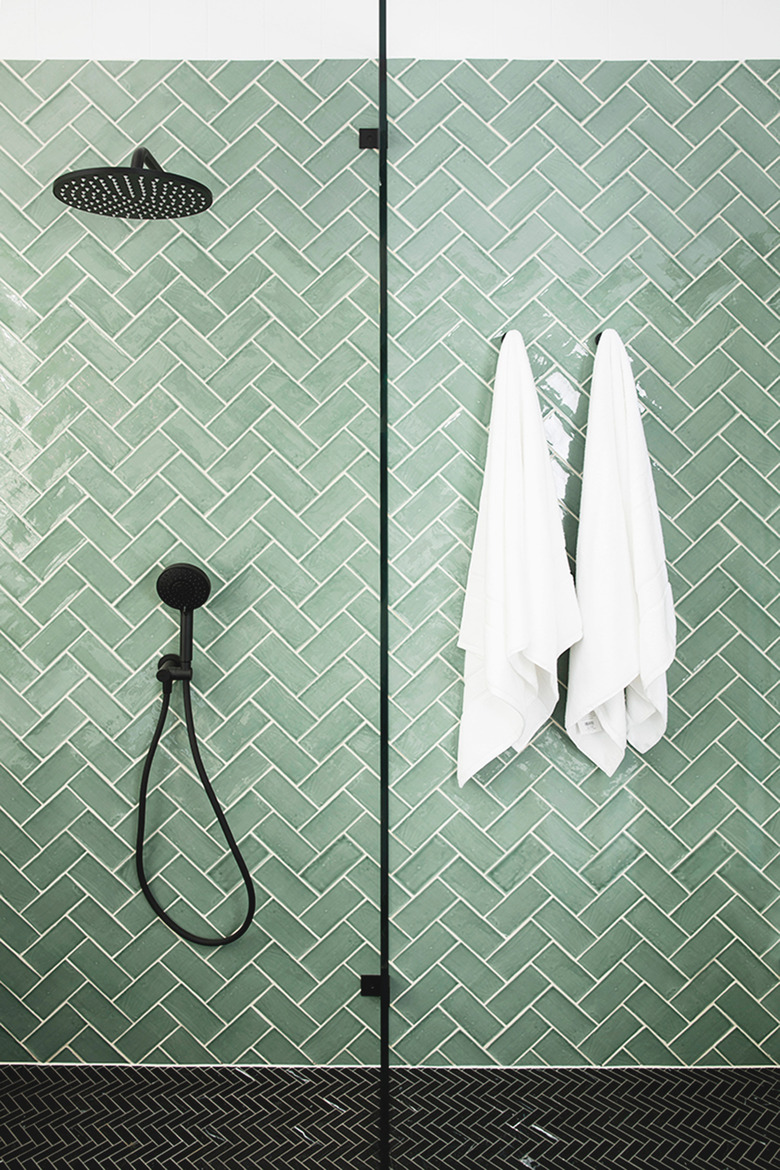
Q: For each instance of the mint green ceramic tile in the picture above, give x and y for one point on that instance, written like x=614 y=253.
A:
x=680 y=335
x=553 y=144
x=117 y=397
x=565 y=89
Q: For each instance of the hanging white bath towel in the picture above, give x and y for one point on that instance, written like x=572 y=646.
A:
x=617 y=672
x=520 y=610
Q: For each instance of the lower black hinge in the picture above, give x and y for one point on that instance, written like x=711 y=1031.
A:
x=371 y=985
x=368 y=139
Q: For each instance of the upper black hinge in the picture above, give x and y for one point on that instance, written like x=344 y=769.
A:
x=368 y=138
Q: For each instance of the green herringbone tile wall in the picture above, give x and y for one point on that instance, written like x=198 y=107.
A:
x=545 y=914
x=201 y=390
x=205 y=391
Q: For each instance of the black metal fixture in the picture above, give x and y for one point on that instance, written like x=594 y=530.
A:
x=385 y=1103
x=141 y=191
x=186 y=588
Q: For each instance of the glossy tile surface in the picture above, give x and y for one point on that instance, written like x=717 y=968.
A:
x=545 y=914
x=200 y=390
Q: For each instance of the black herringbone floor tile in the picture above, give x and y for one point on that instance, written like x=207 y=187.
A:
x=586 y=1119
x=190 y=1117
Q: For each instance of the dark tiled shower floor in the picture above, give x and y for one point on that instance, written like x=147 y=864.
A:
x=190 y=1118
x=587 y=1119
x=57 y=1116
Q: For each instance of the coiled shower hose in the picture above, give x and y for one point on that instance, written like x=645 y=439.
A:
x=225 y=827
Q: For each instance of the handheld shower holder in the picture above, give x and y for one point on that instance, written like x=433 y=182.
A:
x=170 y=669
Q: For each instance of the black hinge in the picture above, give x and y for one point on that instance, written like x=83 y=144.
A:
x=371 y=985
x=368 y=139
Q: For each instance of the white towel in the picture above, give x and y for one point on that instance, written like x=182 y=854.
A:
x=520 y=610
x=617 y=672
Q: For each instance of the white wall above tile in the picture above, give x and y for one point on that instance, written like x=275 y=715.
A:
x=560 y=29
x=262 y=29
x=188 y=29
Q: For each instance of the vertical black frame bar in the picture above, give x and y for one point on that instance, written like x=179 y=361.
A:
x=384 y=644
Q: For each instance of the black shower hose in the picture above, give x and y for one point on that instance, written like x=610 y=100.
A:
x=234 y=849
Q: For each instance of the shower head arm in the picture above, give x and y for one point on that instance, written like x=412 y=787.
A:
x=143 y=157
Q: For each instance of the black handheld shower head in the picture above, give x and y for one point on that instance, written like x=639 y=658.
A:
x=184 y=587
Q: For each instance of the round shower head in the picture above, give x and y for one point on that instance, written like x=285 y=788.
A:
x=184 y=587
x=135 y=192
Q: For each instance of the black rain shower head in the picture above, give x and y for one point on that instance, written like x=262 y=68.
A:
x=141 y=191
